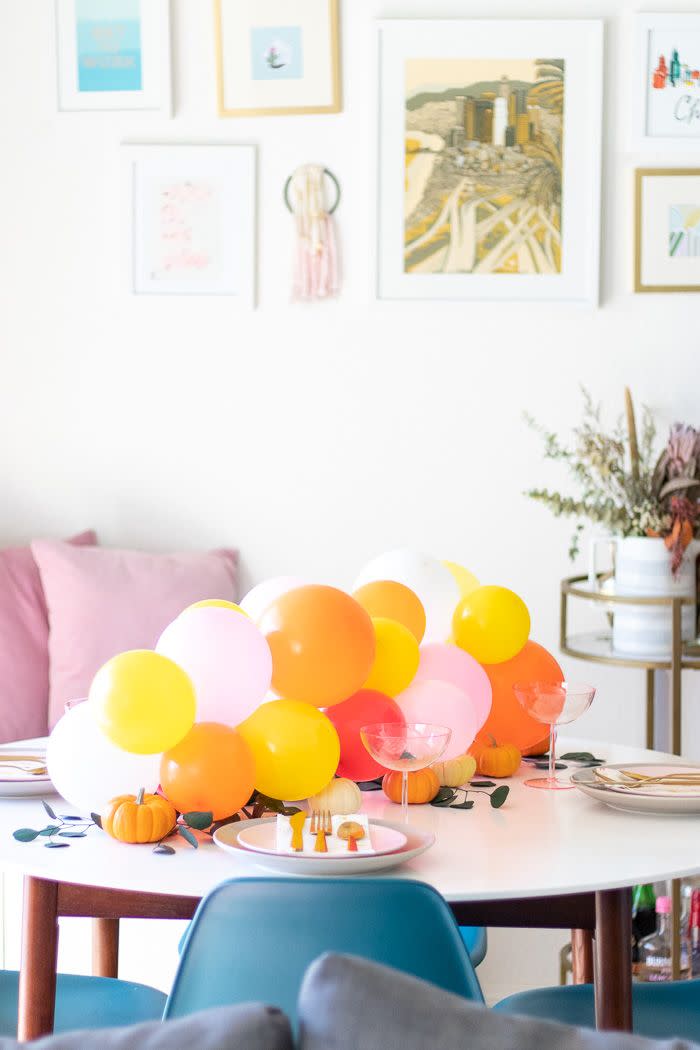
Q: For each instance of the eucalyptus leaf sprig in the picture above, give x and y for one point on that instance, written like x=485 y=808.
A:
x=65 y=826
x=445 y=798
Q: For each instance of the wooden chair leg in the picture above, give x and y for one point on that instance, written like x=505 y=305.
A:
x=582 y=956
x=105 y=947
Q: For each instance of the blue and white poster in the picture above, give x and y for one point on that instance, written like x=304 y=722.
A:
x=108 y=45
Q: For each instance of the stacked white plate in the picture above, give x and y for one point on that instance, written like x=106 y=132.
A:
x=392 y=845
x=16 y=777
x=676 y=799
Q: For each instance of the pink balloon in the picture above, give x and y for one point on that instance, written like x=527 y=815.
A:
x=442 y=704
x=441 y=662
x=227 y=658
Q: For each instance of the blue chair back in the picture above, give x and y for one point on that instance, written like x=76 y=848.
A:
x=253 y=939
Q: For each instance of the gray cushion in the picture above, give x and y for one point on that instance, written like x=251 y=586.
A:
x=351 y=1004
x=249 y=1027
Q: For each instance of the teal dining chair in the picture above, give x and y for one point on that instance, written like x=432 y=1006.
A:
x=662 y=1010
x=475 y=941
x=253 y=939
x=85 y=1002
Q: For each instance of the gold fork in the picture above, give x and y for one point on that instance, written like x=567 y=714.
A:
x=638 y=780
x=321 y=825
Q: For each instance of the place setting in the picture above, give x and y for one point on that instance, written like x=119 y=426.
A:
x=23 y=772
x=653 y=787
x=323 y=843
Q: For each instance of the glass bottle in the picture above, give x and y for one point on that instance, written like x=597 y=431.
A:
x=655 y=950
x=694 y=933
x=643 y=916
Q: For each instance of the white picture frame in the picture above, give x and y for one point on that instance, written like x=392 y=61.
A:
x=113 y=55
x=192 y=220
x=666 y=111
x=411 y=50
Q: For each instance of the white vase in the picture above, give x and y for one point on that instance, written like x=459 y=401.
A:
x=643 y=567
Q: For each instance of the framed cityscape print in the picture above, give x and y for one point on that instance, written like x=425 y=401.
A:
x=667 y=83
x=113 y=54
x=192 y=220
x=489 y=160
x=667 y=230
x=277 y=57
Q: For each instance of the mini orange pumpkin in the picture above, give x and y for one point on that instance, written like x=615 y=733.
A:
x=498 y=760
x=423 y=785
x=139 y=818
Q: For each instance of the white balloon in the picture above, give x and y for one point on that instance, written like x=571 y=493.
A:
x=263 y=594
x=89 y=770
x=427 y=577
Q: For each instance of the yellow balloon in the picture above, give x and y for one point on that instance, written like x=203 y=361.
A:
x=216 y=603
x=492 y=624
x=466 y=580
x=396 y=657
x=143 y=702
x=295 y=747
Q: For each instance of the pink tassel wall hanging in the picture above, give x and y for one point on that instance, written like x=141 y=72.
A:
x=315 y=271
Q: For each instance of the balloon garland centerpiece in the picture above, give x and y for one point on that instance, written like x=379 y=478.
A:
x=244 y=709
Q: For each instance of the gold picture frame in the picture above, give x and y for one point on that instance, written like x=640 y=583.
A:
x=335 y=104
x=640 y=175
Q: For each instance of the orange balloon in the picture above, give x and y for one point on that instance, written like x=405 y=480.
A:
x=388 y=600
x=322 y=645
x=508 y=722
x=212 y=768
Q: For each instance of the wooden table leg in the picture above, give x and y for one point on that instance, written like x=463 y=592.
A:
x=613 y=976
x=37 y=976
x=582 y=956
x=105 y=947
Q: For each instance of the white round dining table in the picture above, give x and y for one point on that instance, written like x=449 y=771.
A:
x=548 y=859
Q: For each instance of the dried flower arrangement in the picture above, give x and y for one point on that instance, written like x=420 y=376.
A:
x=624 y=484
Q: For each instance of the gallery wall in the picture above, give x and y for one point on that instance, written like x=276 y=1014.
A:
x=311 y=437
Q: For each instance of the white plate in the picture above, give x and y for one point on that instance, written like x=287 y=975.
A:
x=17 y=783
x=263 y=839
x=639 y=800
x=25 y=788
x=417 y=842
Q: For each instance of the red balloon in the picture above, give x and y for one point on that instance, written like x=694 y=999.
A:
x=508 y=722
x=348 y=717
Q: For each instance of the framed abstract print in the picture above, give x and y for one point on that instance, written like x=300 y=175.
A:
x=113 y=55
x=667 y=230
x=192 y=220
x=489 y=160
x=667 y=82
x=277 y=57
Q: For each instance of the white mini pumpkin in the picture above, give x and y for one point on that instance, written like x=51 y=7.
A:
x=340 y=796
x=454 y=772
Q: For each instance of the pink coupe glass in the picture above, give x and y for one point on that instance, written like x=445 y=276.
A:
x=555 y=705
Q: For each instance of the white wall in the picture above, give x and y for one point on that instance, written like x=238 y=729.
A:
x=311 y=437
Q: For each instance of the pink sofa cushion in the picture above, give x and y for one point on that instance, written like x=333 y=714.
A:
x=103 y=602
x=24 y=644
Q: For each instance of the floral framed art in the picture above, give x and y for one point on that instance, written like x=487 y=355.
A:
x=667 y=230
x=667 y=82
x=113 y=55
x=277 y=57
x=489 y=160
x=192 y=220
